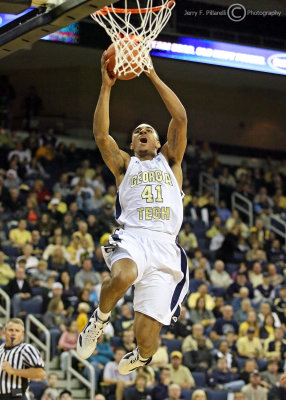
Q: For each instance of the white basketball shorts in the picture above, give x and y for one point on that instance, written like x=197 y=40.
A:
x=163 y=278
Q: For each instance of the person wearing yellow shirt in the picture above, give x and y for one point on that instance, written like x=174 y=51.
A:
x=250 y=346
x=61 y=206
x=6 y=272
x=187 y=239
x=82 y=318
x=202 y=292
x=20 y=236
x=251 y=322
x=215 y=229
x=82 y=233
x=179 y=373
x=73 y=248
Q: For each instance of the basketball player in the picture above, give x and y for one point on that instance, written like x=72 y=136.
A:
x=150 y=209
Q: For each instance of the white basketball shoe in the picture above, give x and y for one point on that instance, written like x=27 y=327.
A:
x=131 y=361
x=88 y=337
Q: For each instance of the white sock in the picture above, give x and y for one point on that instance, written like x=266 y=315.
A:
x=102 y=316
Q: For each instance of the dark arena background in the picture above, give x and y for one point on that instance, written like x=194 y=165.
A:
x=226 y=61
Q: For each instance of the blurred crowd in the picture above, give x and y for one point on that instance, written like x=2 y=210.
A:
x=57 y=207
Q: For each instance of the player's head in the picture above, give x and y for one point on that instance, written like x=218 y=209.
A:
x=145 y=140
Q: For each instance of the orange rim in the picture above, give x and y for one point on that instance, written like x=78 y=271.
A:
x=104 y=10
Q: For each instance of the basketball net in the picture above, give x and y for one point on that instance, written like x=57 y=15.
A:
x=133 y=43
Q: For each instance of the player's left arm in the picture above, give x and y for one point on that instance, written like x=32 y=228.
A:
x=175 y=146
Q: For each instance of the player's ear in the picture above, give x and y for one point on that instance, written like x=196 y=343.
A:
x=131 y=146
x=158 y=145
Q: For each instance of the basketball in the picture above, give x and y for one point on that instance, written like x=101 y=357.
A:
x=125 y=71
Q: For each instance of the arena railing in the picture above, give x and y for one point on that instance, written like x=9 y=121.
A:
x=206 y=181
x=90 y=384
x=278 y=226
x=31 y=337
x=6 y=307
x=243 y=205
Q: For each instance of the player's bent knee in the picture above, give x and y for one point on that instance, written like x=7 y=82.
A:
x=123 y=281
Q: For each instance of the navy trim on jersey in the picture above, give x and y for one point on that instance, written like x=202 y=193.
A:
x=118 y=209
x=180 y=285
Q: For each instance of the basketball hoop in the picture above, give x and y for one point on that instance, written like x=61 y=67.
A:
x=128 y=36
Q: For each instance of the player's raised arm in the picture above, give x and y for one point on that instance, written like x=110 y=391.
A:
x=177 y=133
x=116 y=159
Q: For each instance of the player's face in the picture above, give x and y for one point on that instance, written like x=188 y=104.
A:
x=145 y=140
x=14 y=334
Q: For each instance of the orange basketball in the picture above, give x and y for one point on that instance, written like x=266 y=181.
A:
x=127 y=72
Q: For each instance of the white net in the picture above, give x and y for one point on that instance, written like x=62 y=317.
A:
x=132 y=40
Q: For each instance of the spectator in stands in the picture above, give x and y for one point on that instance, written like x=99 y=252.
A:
x=251 y=322
x=140 y=390
x=266 y=331
x=125 y=320
x=50 y=391
x=276 y=254
x=250 y=365
x=255 y=275
x=86 y=274
x=37 y=243
x=235 y=220
x=160 y=391
x=191 y=341
x=198 y=360
x=264 y=310
x=241 y=281
x=223 y=378
x=18 y=290
x=215 y=229
x=187 y=239
x=276 y=349
x=199 y=395
x=62 y=186
x=252 y=254
x=97 y=201
x=84 y=251
x=20 y=235
x=12 y=180
x=174 y=392
x=230 y=245
x=105 y=220
x=241 y=314
x=41 y=274
x=56 y=291
x=243 y=294
x=15 y=203
x=57 y=261
x=193 y=210
x=278 y=392
x=4 y=193
x=219 y=277
x=73 y=248
x=128 y=340
x=223 y=211
x=56 y=321
x=230 y=357
x=83 y=309
x=270 y=378
x=265 y=291
x=198 y=279
x=82 y=233
x=254 y=390
x=224 y=324
x=45 y=226
x=179 y=373
x=250 y=346
x=31 y=261
x=201 y=315
x=67 y=342
x=261 y=234
x=114 y=379
x=202 y=292
x=6 y=272
x=65 y=395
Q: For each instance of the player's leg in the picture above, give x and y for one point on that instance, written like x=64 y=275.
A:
x=146 y=330
x=123 y=274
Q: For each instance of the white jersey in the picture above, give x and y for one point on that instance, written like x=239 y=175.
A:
x=149 y=197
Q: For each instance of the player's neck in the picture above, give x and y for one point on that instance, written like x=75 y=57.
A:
x=145 y=156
